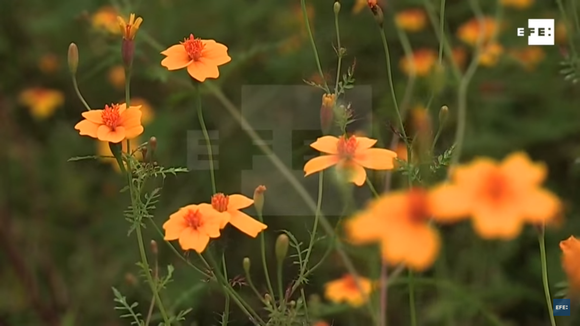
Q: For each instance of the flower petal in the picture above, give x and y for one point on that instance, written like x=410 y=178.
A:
x=134 y=132
x=236 y=202
x=365 y=143
x=319 y=163
x=523 y=171
x=94 y=116
x=215 y=52
x=191 y=239
x=450 y=203
x=417 y=247
x=131 y=118
x=326 y=144
x=201 y=70
x=105 y=133
x=357 y=174
x=364 y=227
x=174 y=226
x=222 y=218
x=177 y=58
x=87 y=128
x=540 y=206
x=375 y=158
x=503 y=222
x=246 y=223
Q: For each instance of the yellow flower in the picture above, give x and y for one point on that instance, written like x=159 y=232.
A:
x=117 y=77
x=471 y=30
x=517 y=4
x=490 y=55
x=105 y=19
x=345 y=289
x=423 y=60
x=561 y=33
x=41 y=101
x=147 y=113
x=411 y=20
x=529 y=57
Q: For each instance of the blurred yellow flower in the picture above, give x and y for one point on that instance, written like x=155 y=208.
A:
x=528 y=57
x=517 y=4
x=105 y=19
x=147 y=113
x=469 y=32
x=423 y=60
x=561 y=33
x=48 y=63
x=459 y=56
x=41 y=101
x=346 y=289
x=490 y=55
x=103 y=149
x=411 y=20
x=117 y=77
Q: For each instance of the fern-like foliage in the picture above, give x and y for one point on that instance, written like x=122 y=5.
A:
x=127 y=309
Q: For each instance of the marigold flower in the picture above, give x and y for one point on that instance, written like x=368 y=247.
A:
x=529 y=57
x=411 y=20
x=200 y=57
x=41 y=101
x=112 y=124
x=398 y=221
x=571 y=262
x=423 y=60
x=103 y=149
x=500 y=197
x=517 y=4
x=226 y=209
x=469 y=32
x=129 y=29
x=192 y=228
x=345 y=289
x=351 y=153
x=106 y=19
x=490 y=55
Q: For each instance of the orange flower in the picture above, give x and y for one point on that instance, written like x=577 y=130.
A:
x=351 y=153
x=48 y=63
x=345 y=289
x=41 y=101
x=459 y=56
x=192 y=228
x=490 y=55
x=321 y=323
x=359 y=5
x=500 y=197
x=423 y=60
x=529 y=57
x=129 y=29
x=103 y=149
x=113 y=124
x=227 y=210
x=200 y=57
x=106 y=19
x=411 y=20
x=399 y=222
x=470 y=31
x=571 y=262
x=517 y=4
x=117 y=77
x=561 y=33
x=147 y=113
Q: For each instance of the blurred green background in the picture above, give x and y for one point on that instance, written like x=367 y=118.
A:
x=63 y=239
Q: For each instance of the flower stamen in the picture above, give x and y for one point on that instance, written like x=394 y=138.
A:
x=193 y=219
x=193 y=47
x=219 y=202
x=346 y=147
x=418 y=207
x=111 y=116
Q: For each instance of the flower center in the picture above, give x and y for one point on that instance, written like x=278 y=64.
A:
x=111 y=116
x=496 y=187
x=193 y=219
x=418 y=206
x=193 y=47
x=346 y=147
x=350 y=282
x=219 y=202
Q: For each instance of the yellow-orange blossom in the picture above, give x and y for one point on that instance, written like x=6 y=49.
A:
x=113 y=124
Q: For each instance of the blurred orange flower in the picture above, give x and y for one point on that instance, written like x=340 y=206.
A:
x=500 y=196
x=399 y=221
x=345 y=289
x=490 y=54
x=423 y=60
x=571 y=262
x=459 y=56
x=48 y=63
x=561 y=33
x=105 y=19
x=103 y=149
x=192 y=228
x=517 y=4
x=116 y=77
x=529 y=57
x=321 y=323
x=200 y=57
x=113 y=124
x=41 y=102
x=227 y=210
x=470 y=31
x=411 y=20
x=350 y=153
x=147 y=113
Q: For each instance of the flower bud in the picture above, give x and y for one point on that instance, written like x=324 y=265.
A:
x=327 y=112
x=571 y=263
x=377 y=12
x=259 y=198
x=246 y=264
x=443 y=114
x=281 y=247
x=336 y=7
x=268 y=299
x=73 y=58
x=127 y=52
x=152 y=144
x=154 y=248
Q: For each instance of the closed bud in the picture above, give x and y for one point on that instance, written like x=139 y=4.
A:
x=327 y=112
x=443 y=114
x=336 y=7
x=127 y=52
x=246 y=265
x=377 y=12
x=154 y=248
x=152 y=144
x=259 y=198
x=292 y=303
x=268 y=299
x=73 y=58
x=281 y=247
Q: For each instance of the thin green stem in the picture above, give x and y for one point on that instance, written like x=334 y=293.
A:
x=412 y=308
x=339 y=53
x=206 y=136
x=253 y=287
x=280 y=282
x=316 y=57
x=316 y=220
x=226 y=315
x=78 y=91
x=372 y=188
x=264 y=261
x=542 y=242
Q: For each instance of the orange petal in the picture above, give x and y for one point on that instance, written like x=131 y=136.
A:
x=449 y=203
x=497 y=222
x=174 y=226
x=236 y=202
x=134 y=132
x=177 y=58
x=94 y=116
x=523 y=171
x=190 y=239
x=469 y=176
x=223 y=218
x=365 y=143
x=88 y=128
x=375 y=158
x=417 y=247
x=246 y=223
x=201 y=70
x=215 y=52
x=211 y=227
x=571 y=262
x=326 y=144
x=105 y=133
x=364 y=227
x=540 y=206
x=131 y=118
x=319 y=163
x=357 y=174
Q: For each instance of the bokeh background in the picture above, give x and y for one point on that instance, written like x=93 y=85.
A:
x=63 y=238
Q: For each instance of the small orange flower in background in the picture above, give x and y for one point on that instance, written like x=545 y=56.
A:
x=399 y=222
x=529 y=57
x=200 y=57
x=147 y=113
x=227 y=210
x=459 y=56
x=116 y=77
x=41 y=102
x=192 y=228
x=351 y=153
x=490 y=55
x=571 y=262
x=321 y=323
x=113 y=124
x=103 y=149
x=561 y=33
x=292 y=20
x=411 y=20
x=105 y=19
x=423 y=60
x=500 y=196
x=359 y=5
x=345 y=289
x=470 y=31
x=517 y=4
x=48 y=63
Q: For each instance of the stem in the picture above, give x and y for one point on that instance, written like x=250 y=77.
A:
x=339 y=52
x=264 y=262
x=542 y=243
x=412 y=308
x=78 y=91
x=316 y=57
x=384 y=278
x=316 y=218
x=226 y=315
x=206 y=136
